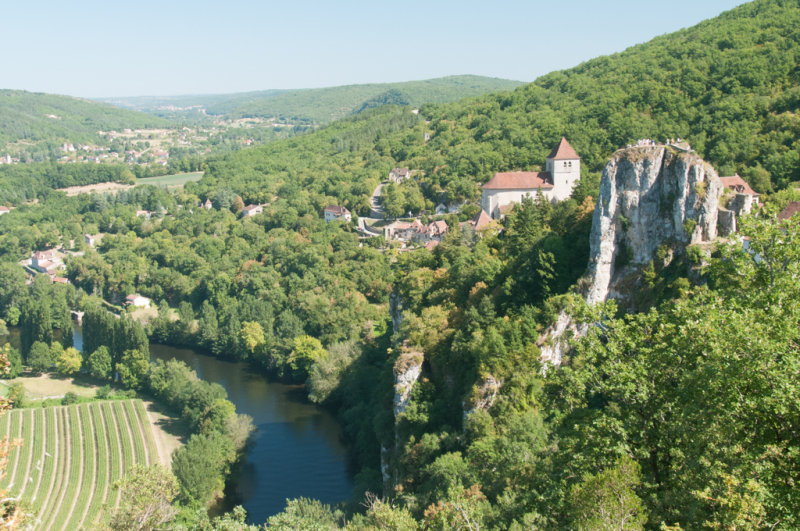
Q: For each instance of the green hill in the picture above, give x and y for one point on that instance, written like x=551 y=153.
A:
x=35 y=117
x=323 y=105
x=730 y=86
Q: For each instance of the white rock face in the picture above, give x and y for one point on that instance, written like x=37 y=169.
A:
x=404 y=381
x=648 y=196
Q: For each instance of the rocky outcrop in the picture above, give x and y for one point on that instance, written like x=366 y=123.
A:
x=395 y=311
x=484 y=395
x=649 y=196
x=726 y=222
x=407 y=370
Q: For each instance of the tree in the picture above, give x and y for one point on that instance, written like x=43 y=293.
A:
x=132 y=368
x=201 y=465
x=13 y=367
x=146 y=495
x=99 y=363
x=40 y=357
x=238 y=204
x=306 y=351
x=607 y=500
x=252 y=336
x=11 y=515
x=69 y=361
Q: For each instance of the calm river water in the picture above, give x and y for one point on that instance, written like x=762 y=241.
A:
x=297 y=448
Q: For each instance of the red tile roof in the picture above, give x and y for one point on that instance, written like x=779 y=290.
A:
x=563 y=151
x=480 y=220
x=520 y=180
x=737 y=184
x=336 y=209
x=790 y=210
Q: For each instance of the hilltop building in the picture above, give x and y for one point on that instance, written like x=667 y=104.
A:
x=334 y=212
x=563 y=169
x=137 y=301
x=398 y=175
x=744 y=198
x=252 y=210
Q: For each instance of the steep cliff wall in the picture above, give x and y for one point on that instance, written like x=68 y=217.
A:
x=649 y=196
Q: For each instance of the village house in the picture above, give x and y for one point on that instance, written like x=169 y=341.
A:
x=744 y=198
x=402 y=230
x=252 y=210
x=46 y=261
x=207 y=205
x=146 y=214
x=415 y=231
x=398 y=175
x=137 y=301
x=477 y=223
x=334 y=212
x=434 y=231
x=4 y=210
x=505 y=189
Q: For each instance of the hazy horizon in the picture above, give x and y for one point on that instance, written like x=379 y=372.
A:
x=99 y=50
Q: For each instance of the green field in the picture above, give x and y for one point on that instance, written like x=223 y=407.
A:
x=178 y=179
x=70 y=457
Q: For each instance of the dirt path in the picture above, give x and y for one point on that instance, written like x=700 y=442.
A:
x=166 y=442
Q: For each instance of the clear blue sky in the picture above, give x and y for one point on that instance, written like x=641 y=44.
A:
x=107 y=48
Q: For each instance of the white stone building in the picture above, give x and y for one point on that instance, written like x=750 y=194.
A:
x=563 y=169
x=334 y=212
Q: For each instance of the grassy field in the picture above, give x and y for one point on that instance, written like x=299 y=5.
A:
x=70 y=456
x=171 y=181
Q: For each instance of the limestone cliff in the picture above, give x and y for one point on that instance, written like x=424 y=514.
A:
x=649 y=196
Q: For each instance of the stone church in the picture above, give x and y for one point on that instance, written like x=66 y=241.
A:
x=563 y=169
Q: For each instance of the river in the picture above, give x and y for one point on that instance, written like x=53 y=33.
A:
x=297 y=448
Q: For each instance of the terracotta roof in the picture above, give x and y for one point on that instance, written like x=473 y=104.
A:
x=336 y=209
x=480 y=220
x=4 y=209
x=737 y=184
x=790 y=210
x=401 y=171
x=516 y=180
x=438 y=227
x=563 y=151
x=44 y=255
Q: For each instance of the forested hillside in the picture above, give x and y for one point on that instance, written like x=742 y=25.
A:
x=324 y=105
x=681 y=417
x=34 y=117
x=730 y=86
